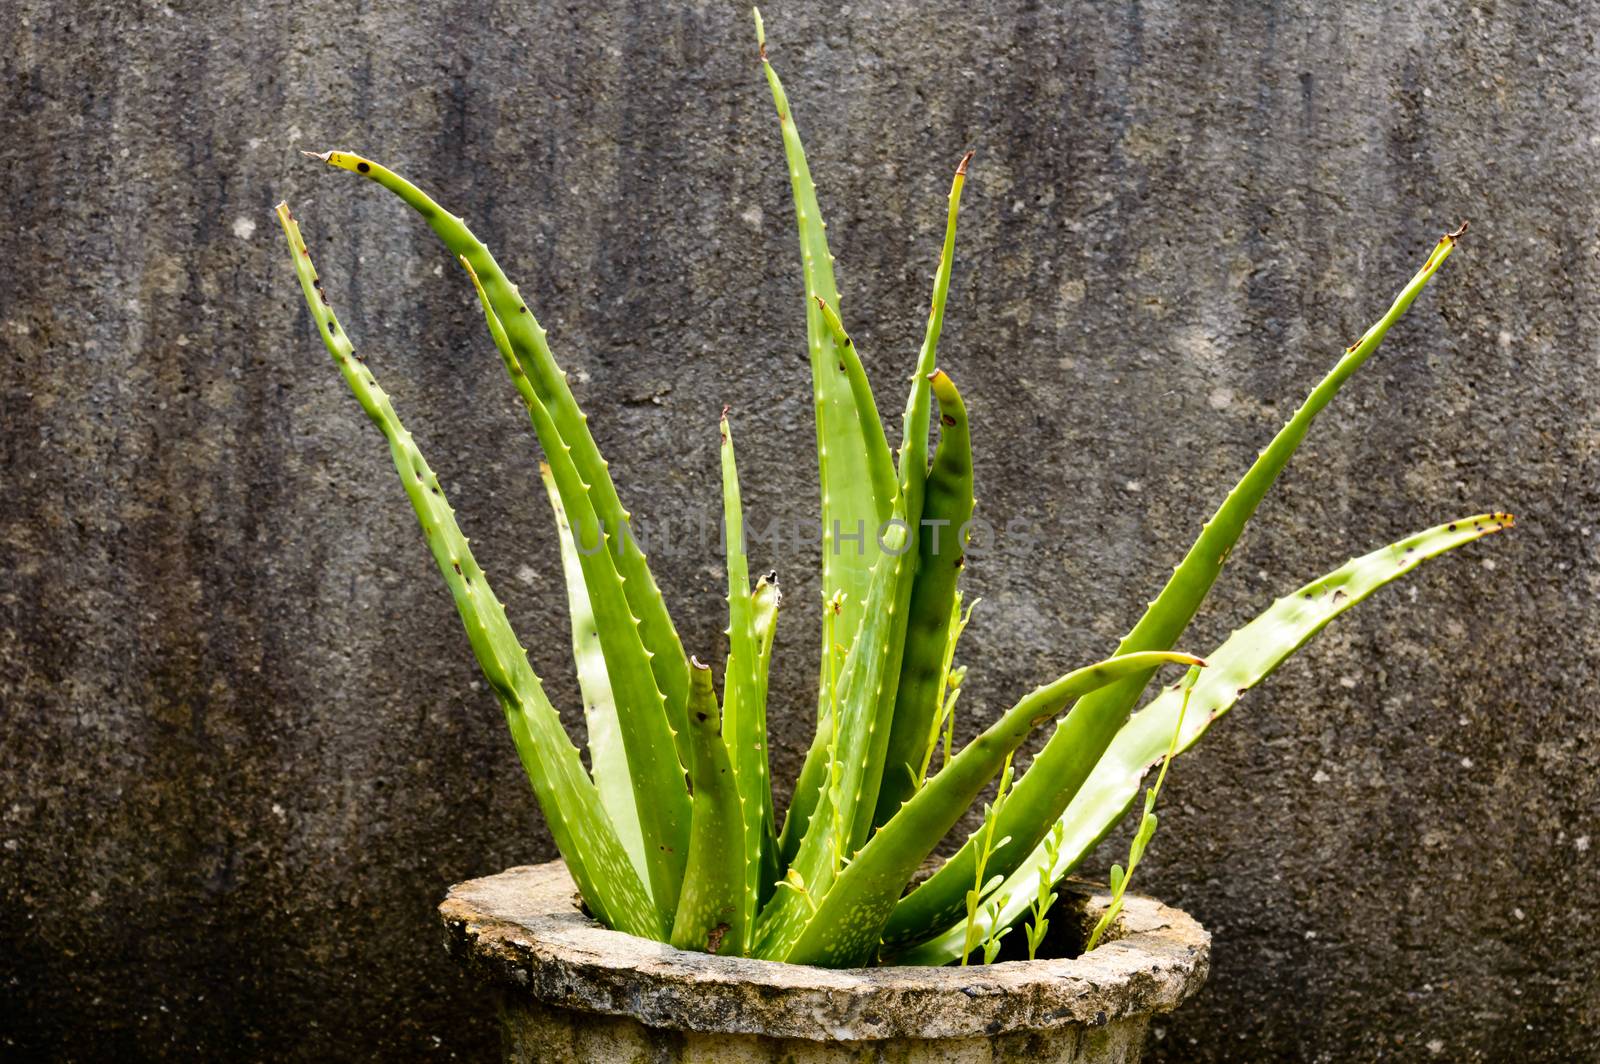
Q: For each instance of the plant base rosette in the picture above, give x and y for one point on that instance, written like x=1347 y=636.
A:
x=571 y=990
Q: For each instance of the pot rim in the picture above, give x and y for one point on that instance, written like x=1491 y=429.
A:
x=524 y=931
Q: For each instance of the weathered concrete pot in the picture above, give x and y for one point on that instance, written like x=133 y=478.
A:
x=570 y=990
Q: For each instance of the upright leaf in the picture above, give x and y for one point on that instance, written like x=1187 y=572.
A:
x=941 y=552
x=712 y=911
x=660 y=792
x=608 y=757
x=879 y=468
x=745 y=720
x=767 y=599
x=569 y=428
x=572 y=807
x=913 y=485
x=850 y=442
x=907 y=513
x=867 y=668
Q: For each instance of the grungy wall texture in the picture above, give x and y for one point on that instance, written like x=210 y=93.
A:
x=243 y=746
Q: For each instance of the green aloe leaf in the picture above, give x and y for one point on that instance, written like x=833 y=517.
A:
x=867 y=763
x=712 y=911
x=745 y=717
x=867 y=668
x=1249 y=656
x=607 y=749
x=879 y=468
x=572 y=806
x=850 y=440
x=844 y=930
x=1079 y=740
x=569 y=430
x=808 y=785
x=930 y=618
x=910 y=506
x=660 y=790
x=767 y=599
x=608 y=757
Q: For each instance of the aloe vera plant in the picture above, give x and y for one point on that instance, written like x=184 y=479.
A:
x=671 y=832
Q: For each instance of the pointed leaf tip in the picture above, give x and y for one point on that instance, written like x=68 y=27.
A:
x=696 y=663
x=961 y=167
x=1459 y=231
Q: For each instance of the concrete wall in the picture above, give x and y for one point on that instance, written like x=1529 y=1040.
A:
x=243 y=746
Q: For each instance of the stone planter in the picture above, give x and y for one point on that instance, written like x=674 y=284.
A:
x=570 y=990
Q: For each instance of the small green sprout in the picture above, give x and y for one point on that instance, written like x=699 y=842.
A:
x=997 y=930
x=980 y=886
x=1147 y=823
x=949 y=688
x=1043 y=896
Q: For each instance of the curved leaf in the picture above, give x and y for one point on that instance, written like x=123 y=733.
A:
x=1075 y=748
x=1248 y=657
